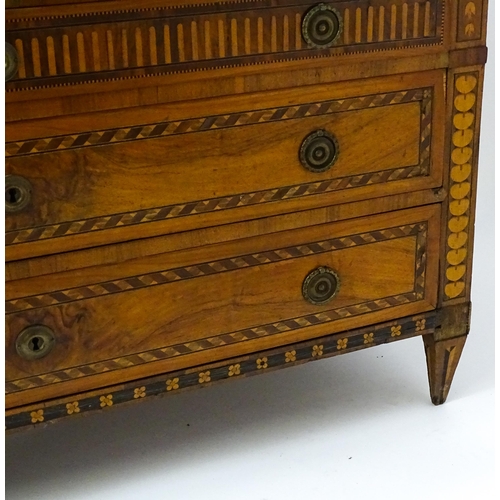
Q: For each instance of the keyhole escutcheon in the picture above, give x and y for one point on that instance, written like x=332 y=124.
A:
x=35 y=342
x=17 y=193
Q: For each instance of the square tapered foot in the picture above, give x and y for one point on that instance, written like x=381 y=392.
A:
x=442 y=360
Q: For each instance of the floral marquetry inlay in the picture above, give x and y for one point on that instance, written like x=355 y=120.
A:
x=342 y=344
x=204 y=377
x=368 y=338
x=317 y=351
x=172 y=384
x=462 y=158
x=396 y=331
x=106 y=400
x=37 y=416
x=236 y=368
x=73 y=408
x=140 y=392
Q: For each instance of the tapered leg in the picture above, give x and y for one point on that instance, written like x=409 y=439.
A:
x=443 y=348
x=442 y=360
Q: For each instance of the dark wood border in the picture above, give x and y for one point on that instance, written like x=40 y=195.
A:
x=245 y=366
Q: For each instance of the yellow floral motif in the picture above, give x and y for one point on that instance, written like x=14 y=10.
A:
x=72 y=408
x=290 y=356
x=261 y=363
x=341 y=344
x=368 y=338
x=395 y=331
x=172 y=384
x=317 y=351
x=106 y=400
x=140 y=392
x=420 y=325
x=204 y=377
x=36 y=416
x=234 y=370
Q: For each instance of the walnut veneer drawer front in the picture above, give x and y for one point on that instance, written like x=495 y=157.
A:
x=216 y=300
x=58 y=46
x=327 y=144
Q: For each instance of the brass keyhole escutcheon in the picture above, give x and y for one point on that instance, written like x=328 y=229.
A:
x=17 y=193
x=319 y=151
x=35 y=342
x=320 y=286
x=11 y=62
x=321 y=26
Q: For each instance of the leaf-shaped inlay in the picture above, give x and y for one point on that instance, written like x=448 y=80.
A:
x=457 y=256
x=465 y=102
x=462 y=138
x=453 y=290
x=460 y=173
x=463 y=121
x=457 y=240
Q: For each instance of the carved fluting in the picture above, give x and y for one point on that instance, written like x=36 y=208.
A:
x=165 y=40
x=201 y=124
x=306 y=351
x=461 y=171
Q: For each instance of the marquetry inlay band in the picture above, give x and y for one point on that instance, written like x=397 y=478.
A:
x=461 y=172
x=263 y=362
x=207 y=268
x=470 y=16
x=419 y=230
x=164 y=40
x=145 y=132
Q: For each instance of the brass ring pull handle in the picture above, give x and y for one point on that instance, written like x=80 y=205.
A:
x=11 y=62
x=321 y=26
x=319 y=151
x=17 y=193
x=35 y=342
x=320 y=286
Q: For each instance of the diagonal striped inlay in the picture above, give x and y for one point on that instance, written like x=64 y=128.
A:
x=224 y=265
x=324 y=317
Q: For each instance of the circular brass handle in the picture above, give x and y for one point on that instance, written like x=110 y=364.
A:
x=35 y=342
x=17 y=193
x=320 y=286
x=11 y=62
x=319 y=151
x=321 y=26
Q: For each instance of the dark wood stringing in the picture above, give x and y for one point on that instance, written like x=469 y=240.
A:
x=235 y=368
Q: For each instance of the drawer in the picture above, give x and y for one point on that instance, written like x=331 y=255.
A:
x=58 y=46
x=208 y=303
x=255 y=160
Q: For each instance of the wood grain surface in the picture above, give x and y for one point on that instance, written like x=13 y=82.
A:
x=237 y=293
x=171 y=223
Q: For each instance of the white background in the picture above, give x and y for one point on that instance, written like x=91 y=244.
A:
x=351 y=427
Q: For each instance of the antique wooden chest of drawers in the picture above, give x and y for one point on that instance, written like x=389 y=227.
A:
x=198 y=191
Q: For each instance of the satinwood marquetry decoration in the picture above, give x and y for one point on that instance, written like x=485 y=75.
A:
x=67 y=50
x=202 y=124
x=461 y=173
x=271 y=257
x=262 y=362
x=470 y=18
